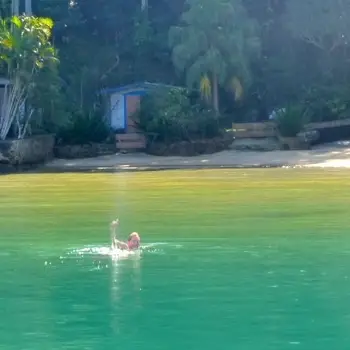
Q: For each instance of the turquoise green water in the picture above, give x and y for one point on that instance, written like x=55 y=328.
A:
x=245 y=260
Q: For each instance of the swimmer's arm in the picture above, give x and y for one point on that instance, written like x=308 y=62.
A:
x=115 y=242
x=113 y=229
x=120 y=244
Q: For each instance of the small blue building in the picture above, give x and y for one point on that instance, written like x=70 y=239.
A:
x=122 y=103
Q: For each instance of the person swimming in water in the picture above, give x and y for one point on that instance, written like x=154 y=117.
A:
x=133 y=242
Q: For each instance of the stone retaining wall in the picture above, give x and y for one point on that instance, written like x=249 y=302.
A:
x=84 y=151
x=257 y=145
x=191 y=148
x=29 y=151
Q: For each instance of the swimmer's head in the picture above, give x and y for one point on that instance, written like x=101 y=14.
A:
x=134 y=240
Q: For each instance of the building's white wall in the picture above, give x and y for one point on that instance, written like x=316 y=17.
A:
x=117 y=113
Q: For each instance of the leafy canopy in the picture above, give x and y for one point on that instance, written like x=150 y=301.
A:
x=322 y=23
x=215 y=37
x=176 y=115
x=25 y=44
x=27 y=56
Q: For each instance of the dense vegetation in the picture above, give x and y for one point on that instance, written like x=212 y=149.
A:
x=246 y=57
x=176 y=114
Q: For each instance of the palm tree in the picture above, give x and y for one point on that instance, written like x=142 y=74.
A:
x=214 y=44
x=25 y=49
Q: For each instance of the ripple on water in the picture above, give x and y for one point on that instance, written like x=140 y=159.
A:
x=115 y=254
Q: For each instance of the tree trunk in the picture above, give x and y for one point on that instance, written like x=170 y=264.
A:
x=28 y=7
x=144 y=5
x=15 y=7
x=215 y=93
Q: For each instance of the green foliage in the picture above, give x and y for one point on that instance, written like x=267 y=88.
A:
x=83 y=129
x=174 y=115
x=108 y=43
x=27 y=56
x=215 y=38
x=48 y=102
x=25 y=45
x=322 y=23
x=290 y=120
x=5 y=8
x=111 y=43
x=325 y=103
x=322 y=28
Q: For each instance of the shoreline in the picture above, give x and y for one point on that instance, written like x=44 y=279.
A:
x=147 y=168
x=42 y=169
x=335 y=156
x=144 y=168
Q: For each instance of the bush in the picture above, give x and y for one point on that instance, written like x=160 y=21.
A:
x=327 y=103
x=175 y=115
x=83 y=129
x=290 y=120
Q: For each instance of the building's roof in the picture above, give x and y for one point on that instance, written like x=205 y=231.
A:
x=4 y=81
x=134 y=87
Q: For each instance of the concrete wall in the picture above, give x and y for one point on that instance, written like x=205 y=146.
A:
x=31 y=150
x=84 y=151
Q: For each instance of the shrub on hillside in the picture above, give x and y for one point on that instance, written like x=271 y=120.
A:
x=175 y=115
x=325 y=103
x=290 y=120
x=83 y=129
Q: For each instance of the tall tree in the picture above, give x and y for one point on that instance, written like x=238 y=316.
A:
x=324 y=26
x=214 y=42
x=28 y=7
x=322 y=23
x=25 y=50
x=15 y=7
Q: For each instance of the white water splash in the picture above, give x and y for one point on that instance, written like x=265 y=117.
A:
x=105 y=251
x=118 y=253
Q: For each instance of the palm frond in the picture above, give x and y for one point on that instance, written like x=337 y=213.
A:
x=16 y=21
x=215 y=38
x=211 y=62
x=205 y=87
x=237 y=88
